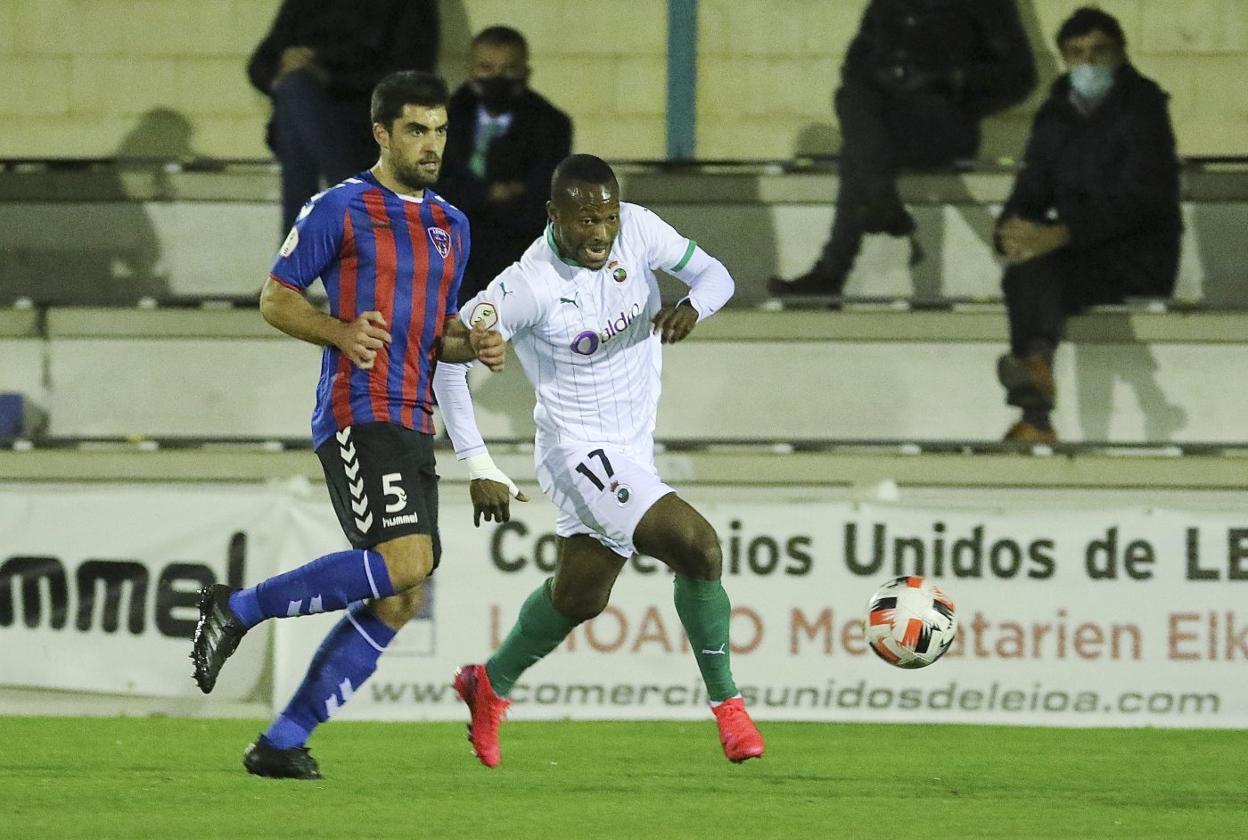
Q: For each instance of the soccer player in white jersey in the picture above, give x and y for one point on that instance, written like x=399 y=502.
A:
x=582 y=310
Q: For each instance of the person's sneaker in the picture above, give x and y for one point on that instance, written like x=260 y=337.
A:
x=217 y=634
x=1024 y=432
x=737 y=732
x=264 y=759
x=486 y=709
x=1028 y=381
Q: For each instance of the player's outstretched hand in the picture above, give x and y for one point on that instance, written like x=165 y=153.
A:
x=674 y=323
x=363 y=337
x=489 y=346
x=492 y=500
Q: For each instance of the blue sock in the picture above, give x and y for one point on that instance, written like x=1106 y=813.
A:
x=342 y=663
x=327 y=583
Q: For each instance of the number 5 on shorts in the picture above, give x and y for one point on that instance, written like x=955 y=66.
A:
x=390 y=487
x=583 y=469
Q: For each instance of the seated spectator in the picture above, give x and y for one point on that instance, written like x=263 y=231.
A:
x=917 y=79
x=319 y=65
x=502 y=146
x=1094 y=214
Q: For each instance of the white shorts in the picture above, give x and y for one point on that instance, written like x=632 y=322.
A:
x=600 y=490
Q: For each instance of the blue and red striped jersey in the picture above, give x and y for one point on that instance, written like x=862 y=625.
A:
x=376 y=250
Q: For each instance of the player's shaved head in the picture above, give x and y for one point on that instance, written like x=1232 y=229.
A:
x=581 y=169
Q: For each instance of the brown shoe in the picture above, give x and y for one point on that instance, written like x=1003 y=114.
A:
x=1028 y=381
x=1024 y=432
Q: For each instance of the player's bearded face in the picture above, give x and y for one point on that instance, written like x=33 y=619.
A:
x=414 y=146
x=586 y=220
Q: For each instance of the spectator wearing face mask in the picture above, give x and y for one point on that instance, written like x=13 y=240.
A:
x=1094 y=213
x=503 y=143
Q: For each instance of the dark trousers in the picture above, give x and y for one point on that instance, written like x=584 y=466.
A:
x=1041 y=293
x=883 y=133
x=1036 y=299
x=317 y=138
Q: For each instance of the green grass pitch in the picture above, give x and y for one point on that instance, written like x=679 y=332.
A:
x=137 y=778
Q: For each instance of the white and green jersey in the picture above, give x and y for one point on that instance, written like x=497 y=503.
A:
x=584 y=336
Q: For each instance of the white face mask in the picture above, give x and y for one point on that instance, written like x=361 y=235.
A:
x=1092 y=81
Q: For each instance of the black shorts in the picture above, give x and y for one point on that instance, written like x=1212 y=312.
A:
x=382 y=483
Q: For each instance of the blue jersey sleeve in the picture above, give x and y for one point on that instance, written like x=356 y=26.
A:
x=463 y=248
x=311 y=245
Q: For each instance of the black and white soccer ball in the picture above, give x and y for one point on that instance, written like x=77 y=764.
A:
x=910 y=622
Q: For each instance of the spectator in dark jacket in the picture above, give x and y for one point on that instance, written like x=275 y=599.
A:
x=1094 y=213
x=502 y=147
x=319 y=64
x=918 y=78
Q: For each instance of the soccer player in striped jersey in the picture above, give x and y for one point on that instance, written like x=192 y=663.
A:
x=582 y=310
x=390 y=253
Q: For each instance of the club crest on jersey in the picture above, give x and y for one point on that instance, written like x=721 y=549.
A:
x=622 y=493
x=485 y=314
x=440 y=239
x=618 y=274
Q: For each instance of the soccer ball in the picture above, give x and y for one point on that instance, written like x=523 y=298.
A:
x=910 y=622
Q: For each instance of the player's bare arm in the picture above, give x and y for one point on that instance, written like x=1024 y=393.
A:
x=674 y=323
x=359 y=340
x=459 y=344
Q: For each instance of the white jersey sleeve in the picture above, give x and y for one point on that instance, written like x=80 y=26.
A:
x=450 y=387
x=710 y=284
x=508 y=305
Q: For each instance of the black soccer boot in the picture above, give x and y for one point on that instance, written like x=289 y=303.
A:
x=217 y=634
x=264 y=759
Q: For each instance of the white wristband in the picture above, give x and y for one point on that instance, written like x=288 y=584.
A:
x=482 y=466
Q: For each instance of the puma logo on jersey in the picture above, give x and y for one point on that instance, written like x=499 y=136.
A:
x=719 y=652
x=571 y=301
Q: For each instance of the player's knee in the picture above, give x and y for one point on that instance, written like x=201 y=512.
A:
x=398 y=610
x=700 y=553
x=707 y=558
x=409 y=560
x=580 y=606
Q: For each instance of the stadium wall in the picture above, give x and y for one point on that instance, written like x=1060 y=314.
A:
x=1130 y=377
x=98 y=78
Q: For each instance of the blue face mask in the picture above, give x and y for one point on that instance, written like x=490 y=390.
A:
x=1092 y=81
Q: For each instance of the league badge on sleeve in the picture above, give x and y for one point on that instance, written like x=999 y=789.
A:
x=485 y=314
x=291 y=243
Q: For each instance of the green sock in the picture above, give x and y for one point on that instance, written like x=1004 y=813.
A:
x=539 y=630
x=705 y=612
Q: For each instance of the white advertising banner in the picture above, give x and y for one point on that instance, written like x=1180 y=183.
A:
x=1111 y=617
x=98 y=582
